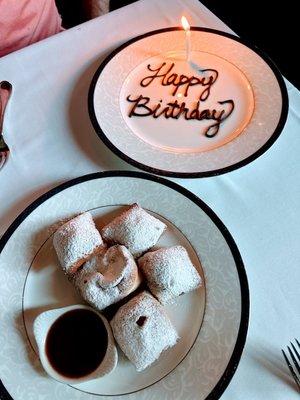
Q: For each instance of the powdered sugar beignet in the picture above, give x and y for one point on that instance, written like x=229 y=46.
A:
x=169 y=273
x=108 y=277
x=75 y=241
x=143 y=330
x=135 y=229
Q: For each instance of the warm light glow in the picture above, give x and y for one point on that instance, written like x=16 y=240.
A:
x=185 y=24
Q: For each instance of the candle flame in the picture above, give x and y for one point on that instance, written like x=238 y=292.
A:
x=185 y=24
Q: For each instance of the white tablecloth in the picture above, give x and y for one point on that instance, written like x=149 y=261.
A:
x=52 y=140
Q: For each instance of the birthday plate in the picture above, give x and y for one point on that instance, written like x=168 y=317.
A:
x=204 y=113
x=211 y=321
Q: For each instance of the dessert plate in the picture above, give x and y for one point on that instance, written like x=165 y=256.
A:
x=211 y=321
x=214 y=112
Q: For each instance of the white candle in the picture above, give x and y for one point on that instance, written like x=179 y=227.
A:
x=186 y=27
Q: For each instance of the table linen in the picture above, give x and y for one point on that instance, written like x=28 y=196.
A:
x=51 y=138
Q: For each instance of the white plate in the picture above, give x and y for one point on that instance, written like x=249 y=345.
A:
x=211 y=321
x=180 y=147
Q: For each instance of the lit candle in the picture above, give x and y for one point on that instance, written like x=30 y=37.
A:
x=186 y=27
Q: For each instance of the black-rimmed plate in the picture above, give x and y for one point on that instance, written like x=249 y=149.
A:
x=212 y=321
x=234 y=110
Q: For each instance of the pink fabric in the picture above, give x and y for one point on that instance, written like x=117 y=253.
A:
x=23 y=22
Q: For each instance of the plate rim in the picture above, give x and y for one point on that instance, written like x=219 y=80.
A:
x=176 y=174
x=231 y=367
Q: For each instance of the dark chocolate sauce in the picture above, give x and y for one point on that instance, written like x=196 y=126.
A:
x=141 y=321
x=76 y=343
x=174 y=109
x=207 y=77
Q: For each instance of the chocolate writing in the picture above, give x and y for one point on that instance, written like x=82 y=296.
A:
x=206 y=78
x=142 y=108
x=165 y=75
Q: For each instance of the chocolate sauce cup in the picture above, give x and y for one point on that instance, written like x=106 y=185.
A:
x=41 y=328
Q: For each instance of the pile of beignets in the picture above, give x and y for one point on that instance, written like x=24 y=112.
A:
x=106 y=266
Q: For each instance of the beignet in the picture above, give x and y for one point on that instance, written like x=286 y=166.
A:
x=169 y=273
x=75 y=241
x=143 y=330
x=107 y=277
x=135 y=229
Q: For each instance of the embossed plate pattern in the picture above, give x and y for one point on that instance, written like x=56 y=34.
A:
x=208 y=367
x=267 y=121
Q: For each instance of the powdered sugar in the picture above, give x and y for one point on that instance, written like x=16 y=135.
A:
x=135 y=229
x=75 y=241
x=169 y=273
x=108 y=277
x=141 y=326
x=143 y=330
